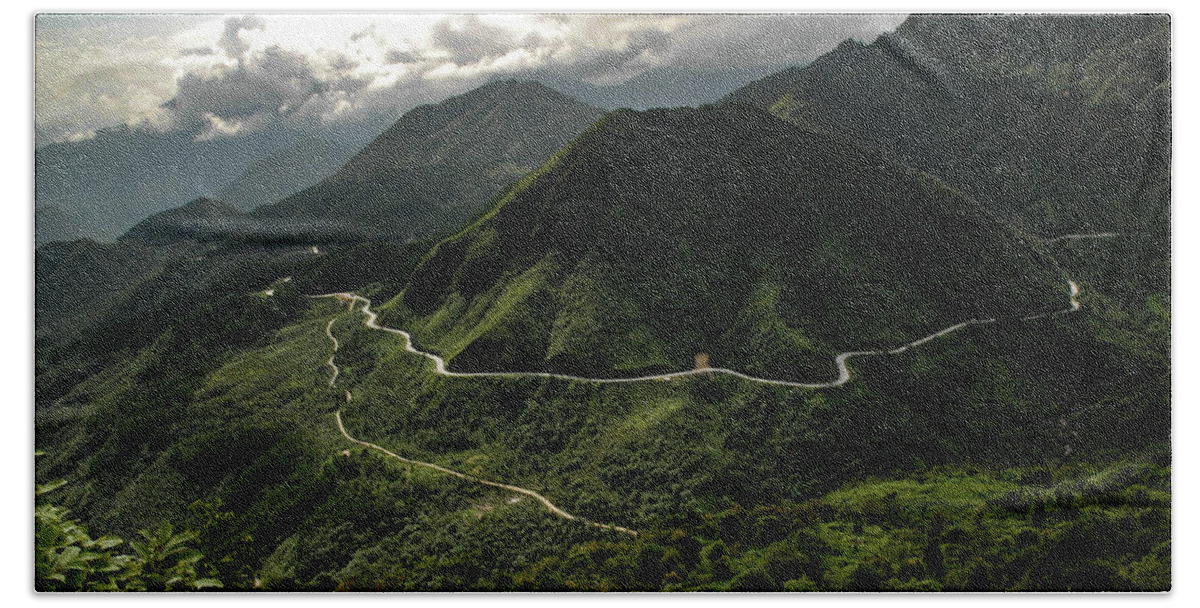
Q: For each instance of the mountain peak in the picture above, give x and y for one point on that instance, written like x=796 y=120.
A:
x=441 y=163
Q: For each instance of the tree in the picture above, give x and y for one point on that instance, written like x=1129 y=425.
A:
x=164 y=562
x=67 y=558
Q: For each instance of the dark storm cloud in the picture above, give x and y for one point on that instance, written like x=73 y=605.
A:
x=263 y=86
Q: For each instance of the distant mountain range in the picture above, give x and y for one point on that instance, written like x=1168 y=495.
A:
x=100 y=187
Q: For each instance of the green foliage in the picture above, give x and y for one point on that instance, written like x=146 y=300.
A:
x=937 y=531
x=164 y=562
x=66 y=558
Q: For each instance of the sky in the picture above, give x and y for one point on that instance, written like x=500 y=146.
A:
x=222 y=75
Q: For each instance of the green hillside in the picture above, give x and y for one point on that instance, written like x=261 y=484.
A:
x=659 y=235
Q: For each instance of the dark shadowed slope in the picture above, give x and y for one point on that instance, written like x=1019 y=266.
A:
x=1061 y=123
x=199 y=219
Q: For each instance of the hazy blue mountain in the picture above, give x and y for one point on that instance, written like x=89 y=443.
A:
x=286 y=172
x=123 y=175
x=53 y=223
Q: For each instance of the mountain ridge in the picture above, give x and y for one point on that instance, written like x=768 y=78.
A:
x=672 y=223
x=1048 y=121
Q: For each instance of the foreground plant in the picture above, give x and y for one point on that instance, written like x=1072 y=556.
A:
x=67 y=558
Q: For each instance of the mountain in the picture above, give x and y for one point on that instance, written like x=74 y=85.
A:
x=200 y=219
x=1060 y=123
x=53 y=223
x=286 y=172
x=659 y=235
x=123 y=175
x=439 y=164
x=100 y=187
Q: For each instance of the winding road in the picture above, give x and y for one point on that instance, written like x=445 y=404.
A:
x=844 y=376
x=372 y=321
x=329 y=332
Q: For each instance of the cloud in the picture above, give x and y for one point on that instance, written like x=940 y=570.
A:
x=200 y=51
x=611 y=53
x=91 y=72
x=469 y=40
x=96 y=72
x=341 y=62
x=394 y=56
x=231 y=39
x=368 y=32
x=219 y=127
x=262 y=87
